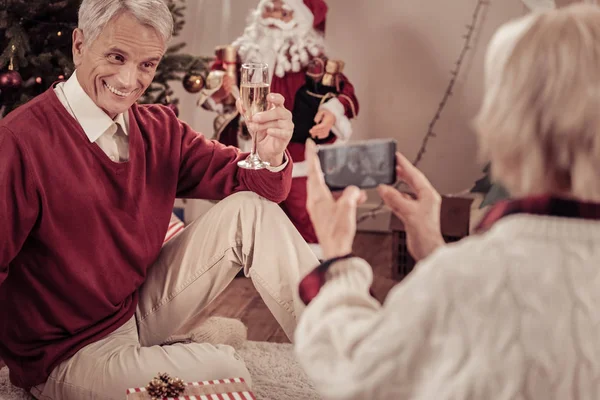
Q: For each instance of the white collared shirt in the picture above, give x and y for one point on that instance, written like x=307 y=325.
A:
x=97 y=125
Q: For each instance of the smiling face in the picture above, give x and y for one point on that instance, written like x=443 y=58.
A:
x=120 y=64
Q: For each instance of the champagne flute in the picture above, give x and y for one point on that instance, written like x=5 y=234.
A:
x=254 y=89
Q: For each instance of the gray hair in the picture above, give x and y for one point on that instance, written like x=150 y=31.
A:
x=95 y=14
x=539 y=123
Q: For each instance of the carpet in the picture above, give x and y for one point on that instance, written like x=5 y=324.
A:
x=275 y=373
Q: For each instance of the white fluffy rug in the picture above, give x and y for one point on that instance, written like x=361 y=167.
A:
x=275 y=373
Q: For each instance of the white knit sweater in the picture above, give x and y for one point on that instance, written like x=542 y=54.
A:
x=510 y=314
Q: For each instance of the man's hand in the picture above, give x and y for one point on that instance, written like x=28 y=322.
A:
x=274 y=129
x=325 y=120
x=420 y=213
x=334 y=220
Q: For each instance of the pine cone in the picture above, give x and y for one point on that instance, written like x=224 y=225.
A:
x=175 y=387
x=157 y=389
x=165 y=386
x=163 y=377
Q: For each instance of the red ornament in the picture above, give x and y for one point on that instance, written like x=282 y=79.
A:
x=10 y=80
x=174 y=108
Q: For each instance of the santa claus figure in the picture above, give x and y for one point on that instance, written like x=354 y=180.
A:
x=288 y=35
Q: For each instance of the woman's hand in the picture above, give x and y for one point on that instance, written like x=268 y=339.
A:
x=334 y=220
x=420 y=213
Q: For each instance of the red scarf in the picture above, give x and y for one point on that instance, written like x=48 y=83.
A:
x=540 y=205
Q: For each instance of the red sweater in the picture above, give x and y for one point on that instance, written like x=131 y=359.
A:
x=78 y=232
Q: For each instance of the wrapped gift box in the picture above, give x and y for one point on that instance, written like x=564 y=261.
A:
x=175 y=226
x=222 y=389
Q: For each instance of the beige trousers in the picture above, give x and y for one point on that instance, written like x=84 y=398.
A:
x=242 y=231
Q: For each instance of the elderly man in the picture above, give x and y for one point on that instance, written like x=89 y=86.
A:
x=87 y=183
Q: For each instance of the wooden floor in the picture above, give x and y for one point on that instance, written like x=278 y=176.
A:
x=240 y=300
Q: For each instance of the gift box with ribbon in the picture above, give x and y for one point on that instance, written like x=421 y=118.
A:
x=222 y=389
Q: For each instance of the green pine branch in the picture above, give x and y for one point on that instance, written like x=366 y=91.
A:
x=32 y=27
x=17 y=48
x=175 y=48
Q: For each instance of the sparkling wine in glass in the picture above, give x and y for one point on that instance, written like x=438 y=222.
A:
x=254 y=89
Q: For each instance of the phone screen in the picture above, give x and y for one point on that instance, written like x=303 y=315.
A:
x=365 y=164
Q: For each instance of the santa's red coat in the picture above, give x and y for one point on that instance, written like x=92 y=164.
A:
x=295 y=205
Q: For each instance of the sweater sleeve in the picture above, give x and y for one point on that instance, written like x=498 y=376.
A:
x=19 y=200
x=208 y=170
x=352 y=347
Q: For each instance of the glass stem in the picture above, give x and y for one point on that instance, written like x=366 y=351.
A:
x=254 y=143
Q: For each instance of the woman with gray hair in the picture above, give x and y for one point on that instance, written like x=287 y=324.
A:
x=511 y=312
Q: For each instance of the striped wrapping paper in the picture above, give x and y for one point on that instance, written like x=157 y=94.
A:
x=175 y=226
x=222 y=389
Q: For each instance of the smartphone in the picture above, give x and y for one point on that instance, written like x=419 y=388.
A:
x=365 y=164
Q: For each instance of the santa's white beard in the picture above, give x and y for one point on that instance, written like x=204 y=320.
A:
x=284 y=50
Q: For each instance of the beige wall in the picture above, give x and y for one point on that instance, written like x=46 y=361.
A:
x=398 y=55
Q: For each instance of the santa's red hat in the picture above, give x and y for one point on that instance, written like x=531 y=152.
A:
x=318 y=8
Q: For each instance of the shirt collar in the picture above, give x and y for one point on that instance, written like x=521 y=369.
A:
x=92 y=119
x=120 y=119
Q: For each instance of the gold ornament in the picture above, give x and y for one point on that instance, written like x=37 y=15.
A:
x=193 y=83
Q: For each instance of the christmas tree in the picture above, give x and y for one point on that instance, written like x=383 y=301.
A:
x=35 y=45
